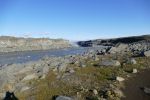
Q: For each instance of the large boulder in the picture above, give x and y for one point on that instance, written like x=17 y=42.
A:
x=110 y=63
x=119 y=48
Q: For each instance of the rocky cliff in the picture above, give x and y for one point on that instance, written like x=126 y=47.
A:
x=10 y=44
x=113 y=42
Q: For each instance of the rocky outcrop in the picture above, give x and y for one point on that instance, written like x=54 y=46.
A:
x=113 y=42
x=10 y=44
x=136 y=45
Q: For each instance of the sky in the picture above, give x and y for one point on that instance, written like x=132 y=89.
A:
x=74 y=19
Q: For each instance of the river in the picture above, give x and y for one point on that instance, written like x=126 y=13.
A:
x=25 y=56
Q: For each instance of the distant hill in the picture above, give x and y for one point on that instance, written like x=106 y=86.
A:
x=114 y=41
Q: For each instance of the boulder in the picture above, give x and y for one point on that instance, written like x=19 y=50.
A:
x=110 y=63
x=119 y=48
x=63 y=98
x=147 y=53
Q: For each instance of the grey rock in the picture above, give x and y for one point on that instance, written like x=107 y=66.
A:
x=147 y=53
x=134 y=71
x=110 y=63
x=71 y=71
x=147 y=90
x=95 y=92
x=63 y=98
x=120 y=48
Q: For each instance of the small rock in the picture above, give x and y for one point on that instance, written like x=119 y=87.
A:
x=63 y=98
x=71 y=71
x=147 y=90
x=120 y=79
x=134 y=71
x=95 y=92
x=25 y=88
x=147 y=53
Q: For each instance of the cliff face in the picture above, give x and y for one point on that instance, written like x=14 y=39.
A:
x=10 y=44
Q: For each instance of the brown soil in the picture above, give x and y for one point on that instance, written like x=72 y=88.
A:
x=133 y=86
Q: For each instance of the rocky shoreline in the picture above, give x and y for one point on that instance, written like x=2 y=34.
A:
x=93 y=75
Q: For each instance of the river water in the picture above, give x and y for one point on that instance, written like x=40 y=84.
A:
x=25 y=56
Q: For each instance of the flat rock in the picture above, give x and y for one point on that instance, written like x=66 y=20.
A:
x=30 y=77
x=120 y=79
x=25 y=88
x=110 y=63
